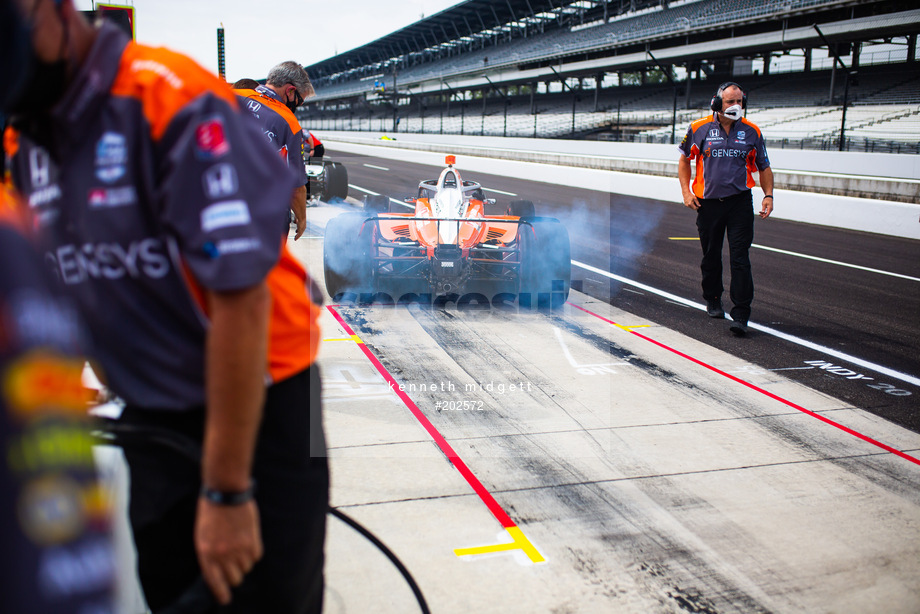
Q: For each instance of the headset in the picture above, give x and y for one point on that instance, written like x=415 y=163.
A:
x=716 y=103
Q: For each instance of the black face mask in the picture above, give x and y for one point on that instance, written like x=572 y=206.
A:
x=40 y=84
x=44 y=86
x=298 y=100
x=14 y=53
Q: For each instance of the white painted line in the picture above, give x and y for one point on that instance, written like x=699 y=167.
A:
x=585 y=369
x=363 y=190
x=910 y=379
x=852 y=266
x=792 y=369
x=499 y=192
x=379 y=168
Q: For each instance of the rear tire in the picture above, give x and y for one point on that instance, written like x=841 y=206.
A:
x=347 y=263
x=546 y=264
x=521 y=208
x=336 y=182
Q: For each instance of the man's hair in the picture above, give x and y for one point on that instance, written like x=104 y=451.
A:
x=246 y=84
x=293 y=73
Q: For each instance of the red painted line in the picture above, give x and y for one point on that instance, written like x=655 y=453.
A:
x=818 y=416
x=445 y=447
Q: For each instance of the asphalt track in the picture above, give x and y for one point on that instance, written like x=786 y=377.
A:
x=626 y=453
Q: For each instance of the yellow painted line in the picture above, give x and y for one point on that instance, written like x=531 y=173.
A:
x=629 y=328
x=683 y=238
x=354 y=338
x=519 y=542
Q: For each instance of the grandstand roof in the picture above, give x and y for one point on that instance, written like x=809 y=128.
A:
x=472 y=18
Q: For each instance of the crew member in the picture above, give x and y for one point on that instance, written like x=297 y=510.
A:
x=161 y=210
x=54 y=514
x=315 y=147
x=273 y=105
x=245 y=84
x=728 y=149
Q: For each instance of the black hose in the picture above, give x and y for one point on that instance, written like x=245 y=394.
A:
x=197 y=598
x=389 y=554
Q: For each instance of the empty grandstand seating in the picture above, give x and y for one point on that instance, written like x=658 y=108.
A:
x=793 y=109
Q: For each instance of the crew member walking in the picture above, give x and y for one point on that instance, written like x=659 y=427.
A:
x=728 y=149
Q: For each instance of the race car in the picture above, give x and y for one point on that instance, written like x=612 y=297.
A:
x=443 y=243
x=328 y=181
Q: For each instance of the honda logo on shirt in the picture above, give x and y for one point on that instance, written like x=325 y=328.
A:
x=220 y=180
x=254 y=106
x=40 y=167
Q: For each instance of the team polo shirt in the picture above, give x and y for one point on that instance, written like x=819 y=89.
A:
x=725 y=163
x=150 y=187
x=279 y=126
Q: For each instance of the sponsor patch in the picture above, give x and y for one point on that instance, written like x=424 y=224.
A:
x=78 y=570
x=211 y=139
x=715 y=133
x=111 y=157
x=231 y=246
x=741 y=135
x=223 y=214
x=253 y=106
x=112 y=197
x=220 y=181
x=51 y=510
x=42 y=381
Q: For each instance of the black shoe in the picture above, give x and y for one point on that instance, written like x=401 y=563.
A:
x=738 y=328
x=714 y=308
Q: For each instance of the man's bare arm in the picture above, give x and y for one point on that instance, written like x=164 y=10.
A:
x=227 y=538
x=683 y=175
x=299 y=207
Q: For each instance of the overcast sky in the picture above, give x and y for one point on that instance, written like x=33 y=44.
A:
x=260 y=33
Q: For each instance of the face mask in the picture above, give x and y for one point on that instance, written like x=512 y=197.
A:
x=43 y=88
x=14 y=53
x=733 y=112
x=298 y=100
x=41 y=84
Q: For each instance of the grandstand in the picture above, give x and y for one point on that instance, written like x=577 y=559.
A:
x=634 y=70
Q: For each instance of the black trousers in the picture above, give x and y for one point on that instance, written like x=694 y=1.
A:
x=732 y=216
x=292 y=495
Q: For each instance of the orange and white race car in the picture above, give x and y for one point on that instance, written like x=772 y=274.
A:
x=447 y=246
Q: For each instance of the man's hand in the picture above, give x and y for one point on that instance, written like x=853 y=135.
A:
x=299 y=207
x=228 y=543
x=691 y=201
x=300 y=216
x=766 y=207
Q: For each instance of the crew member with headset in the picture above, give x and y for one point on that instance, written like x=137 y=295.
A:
x=728 y=149
x=161 y=209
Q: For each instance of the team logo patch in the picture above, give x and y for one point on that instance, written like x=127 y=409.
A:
x=211 y=139
x=111 y=157
x=253 y=106
x=220 y=181
x=223 y=214
x=714 y=133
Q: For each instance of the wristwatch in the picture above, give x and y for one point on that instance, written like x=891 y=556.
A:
x=229 y=497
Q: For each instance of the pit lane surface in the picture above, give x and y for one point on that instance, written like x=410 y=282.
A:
x=870 y=315
x=641 y=470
